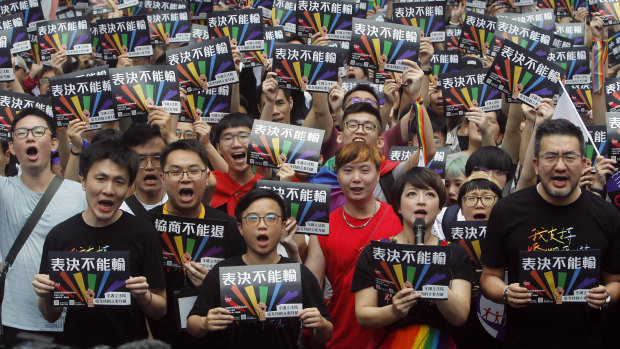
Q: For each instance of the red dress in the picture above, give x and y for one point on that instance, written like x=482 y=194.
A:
x=341 y=249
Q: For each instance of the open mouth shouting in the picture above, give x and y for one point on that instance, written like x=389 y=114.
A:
x=559 y=181
x=420 y=213
x=151 y=179
x=186 y=195
x=105 y=206
x=359 y=139
x=239 y=157
x=263 y=240
x=32 y=153
x=480 y=216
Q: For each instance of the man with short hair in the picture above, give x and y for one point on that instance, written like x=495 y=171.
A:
x=148 y=143
x=34 y=140
x=362 y=123
x=185 y=167
x=553 y=215
x=232 y=138
x=107 y=171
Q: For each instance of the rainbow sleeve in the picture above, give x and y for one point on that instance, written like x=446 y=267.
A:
x=599 y=55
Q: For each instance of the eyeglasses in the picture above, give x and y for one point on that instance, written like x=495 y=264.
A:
x=44 y=80
x=228 y=139
x=495 y=172
x=185 y=134
x=37 y=131
x=143 y=161
x=551 y=159
x=356 y=100
x=253 y=219
x=353 y=125
x=487 y=200
x=192 y=174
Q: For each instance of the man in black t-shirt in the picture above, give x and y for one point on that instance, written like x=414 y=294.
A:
x=185 y=167
x=553 y=215
x=107 y=170
x=260 y=214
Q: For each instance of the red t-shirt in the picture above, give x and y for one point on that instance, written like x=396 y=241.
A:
x=341 y=249
x=229 y=192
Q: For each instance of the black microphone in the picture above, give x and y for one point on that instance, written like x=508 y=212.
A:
x=419 y=225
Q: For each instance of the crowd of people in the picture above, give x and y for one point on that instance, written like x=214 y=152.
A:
x=519 y=168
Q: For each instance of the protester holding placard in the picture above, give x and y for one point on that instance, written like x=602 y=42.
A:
x=361 y=219
x=261 y=215
x=107 y=169
x=34 y=138
x=553 y=215
x=405 y=319
x=184 y=164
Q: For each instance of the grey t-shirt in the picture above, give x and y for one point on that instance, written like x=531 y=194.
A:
x=19 y=308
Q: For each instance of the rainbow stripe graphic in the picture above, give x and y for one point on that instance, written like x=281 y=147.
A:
x=73 y=106
x=164 y=31
x=102 y=6
x=282 y=146
x=609 y=10
x=115 y=42
x=547 y=282
x=476 y=38
x=312 y=22
x=189 y=73
x=139 y=93
x=280 y=16
x=428 y=24
x=244 y=299
x=374 y=48
x=54 y=42
x=397 y=274
x=205 y=104
x=76 y=283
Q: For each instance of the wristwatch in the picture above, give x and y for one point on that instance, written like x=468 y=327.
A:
x=505 y=294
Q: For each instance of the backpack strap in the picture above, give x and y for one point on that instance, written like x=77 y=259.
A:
x=135 y=205
x=386 y=182
x=449 y=217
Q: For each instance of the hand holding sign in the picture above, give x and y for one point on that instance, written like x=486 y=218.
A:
x=517 y=296
x=412 y=79
x=42 y=284
x=404 y=300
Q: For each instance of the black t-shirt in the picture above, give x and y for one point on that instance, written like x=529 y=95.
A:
x=111 y=325
x=425 y=312
x=524 y=221
x=166 y=328
x=274 y=333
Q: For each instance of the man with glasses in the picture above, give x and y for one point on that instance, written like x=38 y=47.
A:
x=185 y=168
x=34 y=140
x=148 y=143
x=262 y=217
x=362 y=123
x=553 y=215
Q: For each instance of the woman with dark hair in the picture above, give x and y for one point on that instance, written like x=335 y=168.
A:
x=496 y=162
x=480 y=186
x=405 y=320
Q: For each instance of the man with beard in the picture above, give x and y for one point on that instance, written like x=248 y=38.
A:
x=552 y=215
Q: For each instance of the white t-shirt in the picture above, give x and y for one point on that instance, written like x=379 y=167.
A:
x=437 y=229
x=19 y=308
x=126 y=208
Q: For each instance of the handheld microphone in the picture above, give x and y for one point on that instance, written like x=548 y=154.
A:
x=419 y=226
